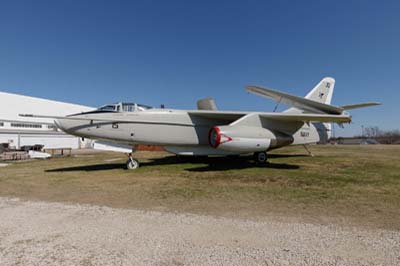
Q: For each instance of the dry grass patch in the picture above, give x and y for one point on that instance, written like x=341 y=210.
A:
x=358 y=184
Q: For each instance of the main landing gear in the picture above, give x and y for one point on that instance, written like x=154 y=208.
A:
x=260 y=157
x=132 y=163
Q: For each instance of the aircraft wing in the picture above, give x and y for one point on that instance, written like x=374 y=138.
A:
x=289 y=117
x=218 y=115
x=295 y=101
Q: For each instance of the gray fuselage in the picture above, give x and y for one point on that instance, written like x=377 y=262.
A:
x=180 y=131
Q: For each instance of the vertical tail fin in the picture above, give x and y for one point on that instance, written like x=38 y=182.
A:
x=323 y=91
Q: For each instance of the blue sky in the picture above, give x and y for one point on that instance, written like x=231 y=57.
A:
x=175 y=52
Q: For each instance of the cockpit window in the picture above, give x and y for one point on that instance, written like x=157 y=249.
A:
x=142 y=107
x=107 y=108
x=128 y=107
x=124 y=107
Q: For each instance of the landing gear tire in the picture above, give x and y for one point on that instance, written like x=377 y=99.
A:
x=132 y=164
x=260 y=157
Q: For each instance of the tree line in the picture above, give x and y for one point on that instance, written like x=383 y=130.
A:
x=382 y=136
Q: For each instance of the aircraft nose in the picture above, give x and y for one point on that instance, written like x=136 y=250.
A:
x=64 y=125
x=58 y=124
x=73 y=126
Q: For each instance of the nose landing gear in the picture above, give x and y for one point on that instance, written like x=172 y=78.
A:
x=132 y=163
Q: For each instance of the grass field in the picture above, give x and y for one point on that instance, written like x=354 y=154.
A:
x=344 y=184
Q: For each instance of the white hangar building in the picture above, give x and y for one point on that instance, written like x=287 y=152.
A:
x=20 y=131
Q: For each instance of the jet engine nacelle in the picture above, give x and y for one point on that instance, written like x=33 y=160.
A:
x=241 y=139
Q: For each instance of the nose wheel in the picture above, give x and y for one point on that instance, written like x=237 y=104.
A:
x=132 y=163
x=260 y=157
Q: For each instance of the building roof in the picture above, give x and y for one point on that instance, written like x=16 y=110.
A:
x=11 y=105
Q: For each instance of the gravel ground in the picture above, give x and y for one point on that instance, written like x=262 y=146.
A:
x=40 y=233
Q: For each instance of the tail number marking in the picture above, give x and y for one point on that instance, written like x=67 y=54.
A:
x=304 y=134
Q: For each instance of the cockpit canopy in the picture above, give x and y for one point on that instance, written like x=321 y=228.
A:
x=124 y=107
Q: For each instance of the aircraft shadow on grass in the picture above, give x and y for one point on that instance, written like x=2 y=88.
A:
x=92 y=167
x=216 y=163
x=211 y=164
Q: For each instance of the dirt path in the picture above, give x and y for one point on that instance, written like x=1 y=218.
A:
x=40 y=233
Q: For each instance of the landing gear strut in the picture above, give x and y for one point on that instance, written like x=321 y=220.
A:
x=309 y=152
x=260 y=157
x=132 y=163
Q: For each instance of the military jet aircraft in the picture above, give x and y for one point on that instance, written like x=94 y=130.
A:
x=208 y=131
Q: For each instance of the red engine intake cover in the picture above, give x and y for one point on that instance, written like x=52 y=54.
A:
x=215 y=137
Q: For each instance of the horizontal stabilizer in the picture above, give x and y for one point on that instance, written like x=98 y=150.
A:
x=295 y=101
x=359 y=105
